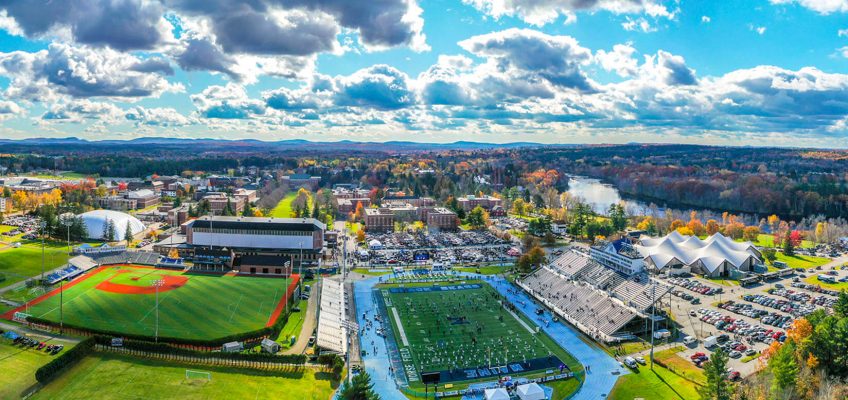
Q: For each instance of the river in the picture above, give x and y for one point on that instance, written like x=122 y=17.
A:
x=601 y=195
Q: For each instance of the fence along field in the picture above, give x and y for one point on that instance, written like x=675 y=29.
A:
x=191 y=305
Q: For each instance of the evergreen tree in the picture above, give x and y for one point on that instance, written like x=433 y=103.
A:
x=128 y=234
x=316 y=213
x=717 y=387
x=360 y=389
x=618 y=218
x=105 y=234
x=840 y=309
x=785 y=369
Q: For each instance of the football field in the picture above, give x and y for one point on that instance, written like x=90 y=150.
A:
x=191 y=305
x=464 y=332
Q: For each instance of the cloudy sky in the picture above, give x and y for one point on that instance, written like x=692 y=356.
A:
x=556 y=71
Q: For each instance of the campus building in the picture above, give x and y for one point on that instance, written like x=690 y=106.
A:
x=487 y=202
x=259 y=245
x=379 y=220
x=619 y=255
x=442 y=219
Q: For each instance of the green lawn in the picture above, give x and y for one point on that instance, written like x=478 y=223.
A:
x=657 y=384
x=284 y=207
x=766 y=240
x=484 y=270
x=293 y=325
x=353 y=227
x=439 y=324
x=19 y=364
x=366 y=271
x=107 y=376
x=24 y=262
x=205 y=307
x=813 y=279
x=799 y=261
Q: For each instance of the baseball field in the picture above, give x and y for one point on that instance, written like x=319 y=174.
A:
x=191 y=305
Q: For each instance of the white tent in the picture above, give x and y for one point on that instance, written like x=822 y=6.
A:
x=530 y=391
x=496 y=394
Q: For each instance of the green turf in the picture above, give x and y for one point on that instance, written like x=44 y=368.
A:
x=19 y=364
x=107 y=376
x=207 y=307
x=24 y=262
x=659 y=383
x=437 y=342
x=799 y=261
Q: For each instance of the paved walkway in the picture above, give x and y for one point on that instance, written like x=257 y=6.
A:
x=599 y=382
x=308 y=324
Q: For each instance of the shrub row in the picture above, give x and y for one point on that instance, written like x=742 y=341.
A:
x=256 y=335
x=165 y=348
x=57 y=365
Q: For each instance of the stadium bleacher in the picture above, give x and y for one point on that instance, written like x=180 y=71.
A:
x=598 y=300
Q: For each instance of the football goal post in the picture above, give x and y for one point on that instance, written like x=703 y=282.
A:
x=190 y=374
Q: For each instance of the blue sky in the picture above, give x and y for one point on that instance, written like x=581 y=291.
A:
x=593 y=71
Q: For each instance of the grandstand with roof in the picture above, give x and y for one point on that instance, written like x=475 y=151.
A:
x=602 y=302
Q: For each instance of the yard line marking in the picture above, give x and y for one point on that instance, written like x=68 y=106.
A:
x=400 y=327
x=520 y=321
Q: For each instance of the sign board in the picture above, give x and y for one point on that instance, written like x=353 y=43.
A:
x=117 y=342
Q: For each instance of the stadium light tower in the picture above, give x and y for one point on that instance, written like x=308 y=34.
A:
x=157 y=284
x=43 y=225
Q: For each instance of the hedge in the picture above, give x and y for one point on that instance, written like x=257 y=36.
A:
x=165 y=348
x=256 y=335
x=57 y=365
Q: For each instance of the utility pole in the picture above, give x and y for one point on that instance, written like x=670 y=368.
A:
x=156 y=284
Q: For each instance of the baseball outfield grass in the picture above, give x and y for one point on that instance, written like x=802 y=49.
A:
x=191 y=305
x=107 y=376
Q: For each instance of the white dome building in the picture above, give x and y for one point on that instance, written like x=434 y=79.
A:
x=95 y=223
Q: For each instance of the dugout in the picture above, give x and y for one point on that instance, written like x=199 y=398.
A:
x=232 y=347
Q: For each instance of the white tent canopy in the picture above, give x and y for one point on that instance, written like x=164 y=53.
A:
x=531 y=391
x=690 y=250
x=496 y=394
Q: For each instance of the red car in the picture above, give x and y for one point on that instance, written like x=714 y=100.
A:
x=734 y=376
x=697 y=355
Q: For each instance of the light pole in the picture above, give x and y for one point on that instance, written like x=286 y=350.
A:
x=43 y=225
x=157 y=284
x=61 y=306
x=653 y=307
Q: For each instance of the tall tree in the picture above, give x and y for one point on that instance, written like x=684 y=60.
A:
x=361 y=388
x=717 y=387
x=128 y=234
x=784 y=368
x=788 y=246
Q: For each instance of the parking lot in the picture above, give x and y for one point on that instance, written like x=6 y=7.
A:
x=743 y=320
x=447 y=248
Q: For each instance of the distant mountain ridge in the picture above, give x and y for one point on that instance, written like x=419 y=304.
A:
x=384 y=146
